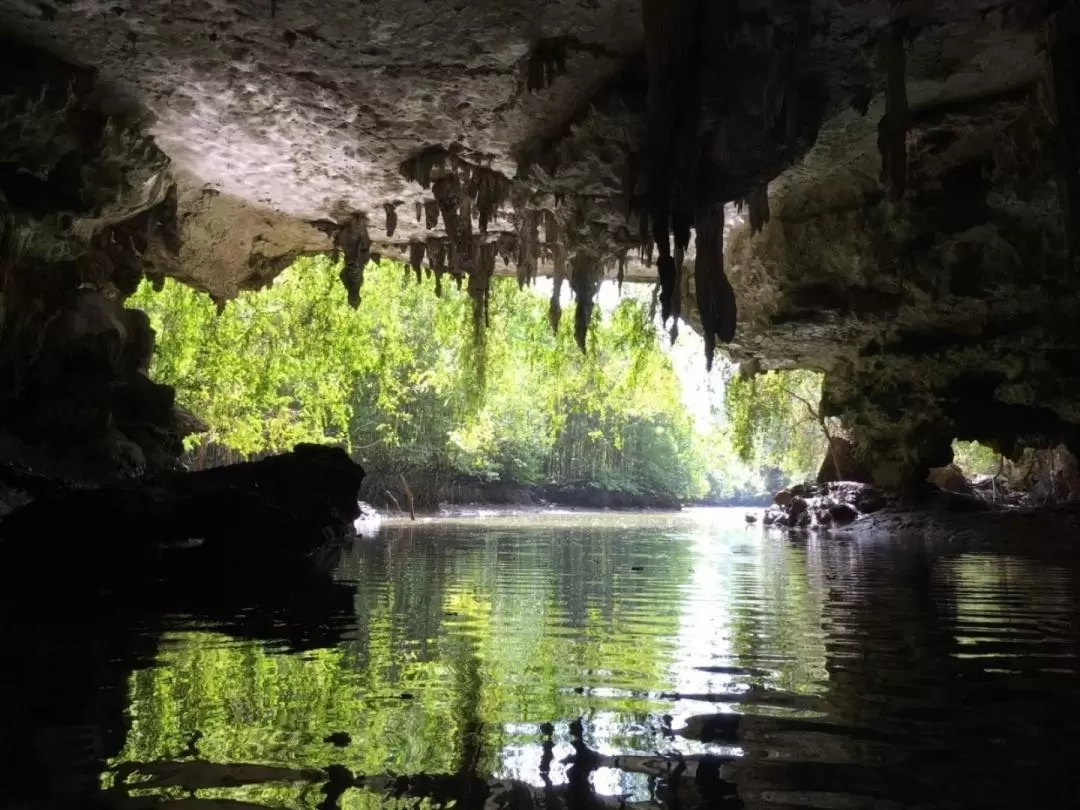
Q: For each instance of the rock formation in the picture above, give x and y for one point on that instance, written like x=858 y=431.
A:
x=907 y=173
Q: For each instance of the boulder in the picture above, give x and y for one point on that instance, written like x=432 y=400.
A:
x=949 y=478
x=280 y=508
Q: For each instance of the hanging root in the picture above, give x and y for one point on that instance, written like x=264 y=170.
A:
x=715 y=296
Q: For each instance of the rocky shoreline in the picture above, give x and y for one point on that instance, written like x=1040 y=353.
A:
x=847 y=509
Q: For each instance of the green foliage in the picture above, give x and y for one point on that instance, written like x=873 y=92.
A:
x=407 y=385
x=775 y=422
x=976 y=459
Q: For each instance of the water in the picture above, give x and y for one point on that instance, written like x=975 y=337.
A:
x=772 y=672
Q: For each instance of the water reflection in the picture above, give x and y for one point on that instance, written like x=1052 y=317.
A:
x=661 y=661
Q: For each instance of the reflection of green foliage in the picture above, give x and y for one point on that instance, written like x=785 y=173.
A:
x=485 y=629
x=404 y=381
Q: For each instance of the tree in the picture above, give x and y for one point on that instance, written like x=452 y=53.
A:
x=774 y=421
x=408 y=385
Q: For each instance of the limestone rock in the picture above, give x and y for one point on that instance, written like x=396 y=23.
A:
x=907 y=172
x=949 y=478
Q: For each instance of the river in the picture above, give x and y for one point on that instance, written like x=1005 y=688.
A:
x=726 y=665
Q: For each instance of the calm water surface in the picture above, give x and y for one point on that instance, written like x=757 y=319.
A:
x=686 y=661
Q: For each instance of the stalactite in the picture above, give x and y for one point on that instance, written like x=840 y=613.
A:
x=528 y=242
x=757 y=205
x=480 y=284
x=391 y=218
x=893 y=128
x=681 y=232
x=353 y=241
x=419 y=212
x=421 y=167
x=558 y=262
x=621 y=273
x=447 y=191
x=673 y=108
x=431 y=214
x=416 y=258
x=585 y=276
x=506 y=247
x=491 y=191
x=436 y=253
x=760 y=213
x=715 y=296
x=547 y=61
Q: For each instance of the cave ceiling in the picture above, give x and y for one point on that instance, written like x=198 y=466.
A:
x=863 y=182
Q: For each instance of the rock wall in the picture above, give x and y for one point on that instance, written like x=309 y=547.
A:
x=89 y=206
x=947 y=310
x=907 y=173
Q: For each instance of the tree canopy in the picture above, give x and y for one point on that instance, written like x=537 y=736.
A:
x=405 y=382
x=409 y=386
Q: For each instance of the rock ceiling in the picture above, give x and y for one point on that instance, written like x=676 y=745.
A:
x=907 y=169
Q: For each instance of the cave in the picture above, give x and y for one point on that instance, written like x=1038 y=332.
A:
x=883 y=192
x=904 y=182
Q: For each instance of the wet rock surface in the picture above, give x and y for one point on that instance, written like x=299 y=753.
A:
x=287 y=508
x=825 y=506
x=981 y=513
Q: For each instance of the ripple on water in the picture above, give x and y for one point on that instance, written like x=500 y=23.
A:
x=768 y=672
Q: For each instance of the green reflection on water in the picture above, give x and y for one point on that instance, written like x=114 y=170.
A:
x=471 y=634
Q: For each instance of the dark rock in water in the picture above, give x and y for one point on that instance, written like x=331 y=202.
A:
x=870 y=503
x=832 y=505
x=841 y=514
x=283 y=506
x=751 y=517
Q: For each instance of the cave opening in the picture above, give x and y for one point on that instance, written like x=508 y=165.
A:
x=261 y=263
